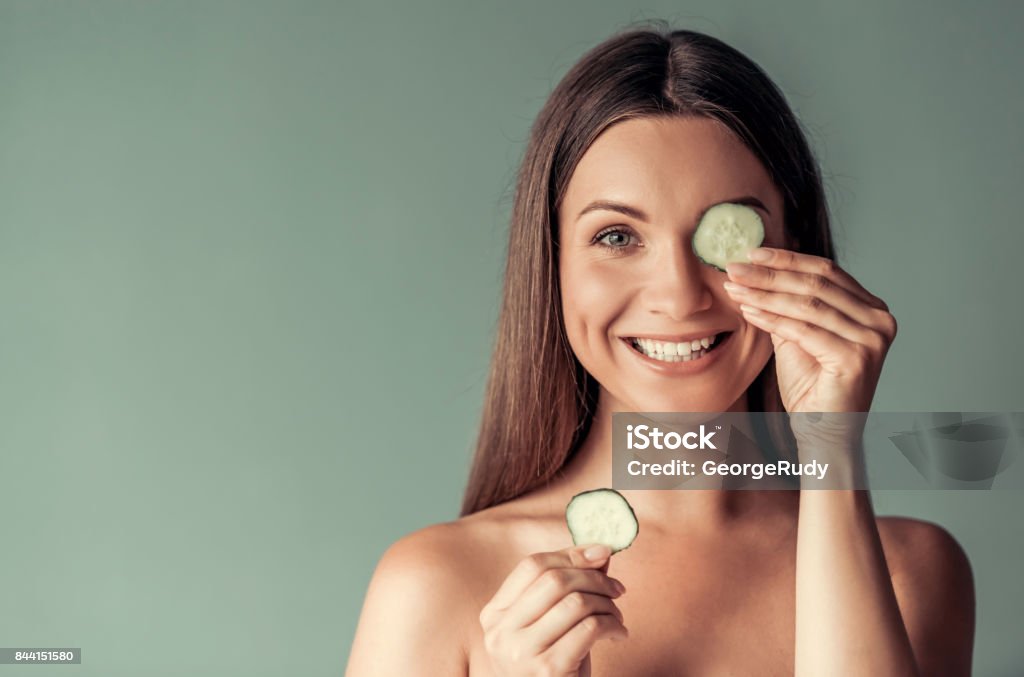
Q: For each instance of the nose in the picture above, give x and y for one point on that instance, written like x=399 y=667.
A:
x=676 y=285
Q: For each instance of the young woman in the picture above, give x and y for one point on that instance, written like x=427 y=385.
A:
x=639 y=139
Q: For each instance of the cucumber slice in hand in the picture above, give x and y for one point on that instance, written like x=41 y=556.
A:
x=601 y=516
x=726 y=233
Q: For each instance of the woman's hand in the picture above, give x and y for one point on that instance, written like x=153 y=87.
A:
x=830 y=334
x=550 y=611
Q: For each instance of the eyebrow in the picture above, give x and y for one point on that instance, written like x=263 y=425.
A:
x=635 y=213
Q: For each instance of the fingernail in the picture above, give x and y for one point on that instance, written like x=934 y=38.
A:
x=622 y=636
x=749 y=309
x=735 y=288
x=759 y=254
x=619 y=587
x=597 y=552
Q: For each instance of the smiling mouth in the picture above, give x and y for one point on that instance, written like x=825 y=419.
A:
x=686 y=351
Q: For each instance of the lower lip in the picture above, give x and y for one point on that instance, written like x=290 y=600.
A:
x=679 y=368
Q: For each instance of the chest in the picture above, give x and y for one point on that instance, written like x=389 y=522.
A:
x=698 y=612
x=712 y=619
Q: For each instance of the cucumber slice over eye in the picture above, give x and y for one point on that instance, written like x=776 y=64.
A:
x=601 y=516
x=726 y=233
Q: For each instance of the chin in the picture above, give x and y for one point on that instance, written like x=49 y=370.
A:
x=669 y=402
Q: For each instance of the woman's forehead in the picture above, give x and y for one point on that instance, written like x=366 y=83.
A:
x=667 y=164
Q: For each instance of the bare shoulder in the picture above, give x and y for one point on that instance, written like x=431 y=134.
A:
x=452 y=557
x=423 y=602
x=919 y=547
x=439 y=553
x=416 y=606
x=934 y=586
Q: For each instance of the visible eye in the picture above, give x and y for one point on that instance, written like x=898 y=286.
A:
x=614 y=238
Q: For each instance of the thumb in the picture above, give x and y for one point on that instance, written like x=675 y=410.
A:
x=590 y=556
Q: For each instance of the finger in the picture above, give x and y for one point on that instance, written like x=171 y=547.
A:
x=808 y=284
x=530 y=568
x=829 y=349
x=810 y=309
x=553 y=586
x=569 y=651
x=564 y=615
x=819 y=265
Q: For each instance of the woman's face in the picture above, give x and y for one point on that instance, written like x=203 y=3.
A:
x=629 y=276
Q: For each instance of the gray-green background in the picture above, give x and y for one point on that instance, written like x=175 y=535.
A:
x=250 y=254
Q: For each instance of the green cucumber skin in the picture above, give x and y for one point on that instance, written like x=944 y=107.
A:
x=591 y=491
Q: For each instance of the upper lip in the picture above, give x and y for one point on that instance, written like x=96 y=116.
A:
x=679 y=338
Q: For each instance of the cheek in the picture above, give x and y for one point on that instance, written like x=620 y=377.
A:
x=759 y=352
x=762 y=350
x=758 y=344
x=593 y=295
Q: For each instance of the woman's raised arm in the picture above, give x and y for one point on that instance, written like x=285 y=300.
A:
x=831 y=337
x=850 y=620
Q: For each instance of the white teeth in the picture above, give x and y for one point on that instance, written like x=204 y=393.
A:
x=673 y=352
x=670 y=349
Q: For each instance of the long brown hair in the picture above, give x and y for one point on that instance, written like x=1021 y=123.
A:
x=540 y=402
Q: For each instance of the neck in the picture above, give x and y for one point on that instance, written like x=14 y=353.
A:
x=689 y=509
